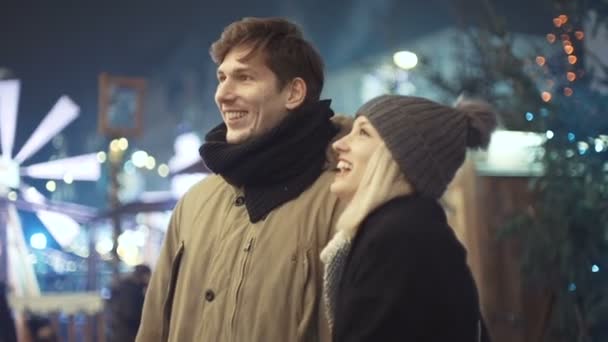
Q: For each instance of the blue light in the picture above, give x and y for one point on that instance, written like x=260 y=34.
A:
x=572 y=287
x=544 y=112
x=529 y=116
x=595 y=269
x=571 y=136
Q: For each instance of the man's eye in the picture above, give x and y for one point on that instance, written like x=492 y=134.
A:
x=245 y=78
x=221 y=79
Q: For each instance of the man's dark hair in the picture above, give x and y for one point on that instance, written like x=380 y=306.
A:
x=285 y=50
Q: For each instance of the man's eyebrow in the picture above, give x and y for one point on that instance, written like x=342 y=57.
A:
x=239 y=70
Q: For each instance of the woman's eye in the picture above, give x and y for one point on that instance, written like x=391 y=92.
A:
x=245 y=78
x=363 y=132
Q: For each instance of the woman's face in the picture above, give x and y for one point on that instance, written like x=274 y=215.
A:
x=354 y=151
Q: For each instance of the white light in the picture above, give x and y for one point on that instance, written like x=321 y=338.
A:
x=405 y=59
x=68 y=179
x=513 y=152
x=595 y=269
x=12 y=196
x=599 y=145
x=9 y=173
x=38 y=241
x=132 y=238
x=51 y=186
x=180 y=184
x=32 y=195
x=183 y=146
x=582 y=147
x=550 y=134
x=163 y=170
x=139 y=158
x=61 y=115
x=104 y=246
x=83 y=168
x=101 y=157
x=63 y=228
x=9 y=99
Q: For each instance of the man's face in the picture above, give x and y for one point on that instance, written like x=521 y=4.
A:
x=248 y=95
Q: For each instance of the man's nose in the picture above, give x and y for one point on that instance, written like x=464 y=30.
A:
x=224 y=92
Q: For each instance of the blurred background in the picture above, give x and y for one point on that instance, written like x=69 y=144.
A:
x=103 y=107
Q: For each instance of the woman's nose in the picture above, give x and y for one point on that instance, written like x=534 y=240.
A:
x=340 y=145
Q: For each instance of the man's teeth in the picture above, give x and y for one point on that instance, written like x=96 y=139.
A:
x=235 y=115
x=344 y=166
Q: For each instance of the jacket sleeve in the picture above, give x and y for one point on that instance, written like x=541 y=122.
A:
x=154 y=319
x=406 y=287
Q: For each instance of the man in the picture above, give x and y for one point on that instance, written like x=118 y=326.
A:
x=125 y=304
x=240 y=261
x=8 y=333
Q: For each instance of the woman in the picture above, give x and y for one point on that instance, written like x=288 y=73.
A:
x=395 y=271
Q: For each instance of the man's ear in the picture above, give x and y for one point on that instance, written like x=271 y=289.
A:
x=296 y=93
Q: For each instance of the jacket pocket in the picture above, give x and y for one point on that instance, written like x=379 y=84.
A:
x=170 y=291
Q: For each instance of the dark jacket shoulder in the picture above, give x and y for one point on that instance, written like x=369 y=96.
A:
x=406 y=279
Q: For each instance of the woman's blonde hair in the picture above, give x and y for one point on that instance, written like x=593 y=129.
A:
x=381 y=182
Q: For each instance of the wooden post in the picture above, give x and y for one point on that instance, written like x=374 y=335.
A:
x=101 y=329
x=71 y=328
x=3 y=241
x=115 y=166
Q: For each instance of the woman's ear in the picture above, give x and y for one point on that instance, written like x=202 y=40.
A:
x=296 y=93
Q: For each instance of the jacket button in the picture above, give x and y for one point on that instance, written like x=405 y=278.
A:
x=209 y=295
x=239 y=201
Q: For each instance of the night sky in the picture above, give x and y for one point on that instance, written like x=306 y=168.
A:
x=58 y=47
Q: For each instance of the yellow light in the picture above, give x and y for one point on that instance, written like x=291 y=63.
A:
x=405 y=59
x=12 y=196
x=551 y=38
x=546 y=96
x=114 y=145
x=51 y=186
x=150 y=163
x=123 y=144
x=568 y=91
x=163 y=170
x=540 y=60
x=101 y=157
x=568 y=49
x=572 y=59
x=580 y=35
x=563 y=18
x=68 y=178
x=570 y=76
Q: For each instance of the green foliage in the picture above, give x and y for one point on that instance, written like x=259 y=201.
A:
x=563 y=234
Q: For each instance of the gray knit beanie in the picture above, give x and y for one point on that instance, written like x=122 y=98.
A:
x=429 y=140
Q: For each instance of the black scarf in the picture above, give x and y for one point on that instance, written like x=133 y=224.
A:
x=279 y=165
